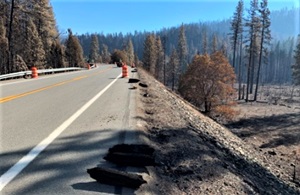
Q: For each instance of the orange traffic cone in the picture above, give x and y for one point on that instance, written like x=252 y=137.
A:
x=34 y=73
x=124 y=71
x=88 y=66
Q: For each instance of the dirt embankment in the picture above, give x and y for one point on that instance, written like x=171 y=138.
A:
x=197 y=155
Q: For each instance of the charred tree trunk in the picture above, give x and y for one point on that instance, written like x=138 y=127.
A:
x=10 y=49
x=248 y=74
x=131 y=155
x=243 y=93
x=234 y=53
x=173 y=80
x=240 y=67
x=130 y=159
x=259 y=63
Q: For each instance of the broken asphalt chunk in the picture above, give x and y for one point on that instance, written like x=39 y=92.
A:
x=132 y=148
x=143 y=85
x=131 y=155
x=115 y=177
x=133 y=80
x=130 y=159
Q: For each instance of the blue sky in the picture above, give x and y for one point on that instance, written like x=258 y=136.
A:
x=114 y=16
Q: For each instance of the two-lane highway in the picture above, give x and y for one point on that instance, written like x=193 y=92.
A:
x=55 y=127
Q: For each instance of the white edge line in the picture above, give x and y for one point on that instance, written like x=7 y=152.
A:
x=23 y=162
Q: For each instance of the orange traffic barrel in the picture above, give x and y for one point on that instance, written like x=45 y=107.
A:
x=34 y=73
x=124 y=71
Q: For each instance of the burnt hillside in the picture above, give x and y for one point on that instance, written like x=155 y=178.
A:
x=197 y=155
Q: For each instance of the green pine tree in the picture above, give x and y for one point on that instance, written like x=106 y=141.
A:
x=74 y=52
x=159 y=59
x=130 y=52
x=94 y=49
x=204 y=41
x=174 y=66
x=182 y=50
x=105 y=55
x=34 y=54
x=149 y=56
x=42 y=15
x=214 y=44
x=57 y=51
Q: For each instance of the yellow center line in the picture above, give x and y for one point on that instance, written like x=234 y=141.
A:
x=12 y=97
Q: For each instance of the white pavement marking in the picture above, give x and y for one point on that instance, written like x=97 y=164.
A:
x=23 y=162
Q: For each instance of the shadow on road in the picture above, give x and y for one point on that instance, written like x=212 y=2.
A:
x=62 y=167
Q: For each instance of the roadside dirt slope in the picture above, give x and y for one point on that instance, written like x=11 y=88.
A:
x=197 y=155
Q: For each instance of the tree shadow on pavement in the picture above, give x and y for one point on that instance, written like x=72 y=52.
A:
x=284 y=128
x=62 y=167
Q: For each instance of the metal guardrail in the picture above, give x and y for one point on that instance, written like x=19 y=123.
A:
x=41 y=71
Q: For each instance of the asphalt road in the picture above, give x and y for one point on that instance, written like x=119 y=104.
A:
x=58 y=126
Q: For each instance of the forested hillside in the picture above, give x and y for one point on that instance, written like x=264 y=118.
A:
x=202 y=37
x=29 y=37
x=27 y=34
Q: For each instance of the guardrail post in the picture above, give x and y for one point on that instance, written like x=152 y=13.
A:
x=34 y=72
x=41 y=71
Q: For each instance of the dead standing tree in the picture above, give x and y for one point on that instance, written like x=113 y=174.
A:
x=265 y=40
x=236 y=38
x=253 y=25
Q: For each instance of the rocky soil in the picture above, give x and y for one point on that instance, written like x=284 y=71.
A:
x=199 y=156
